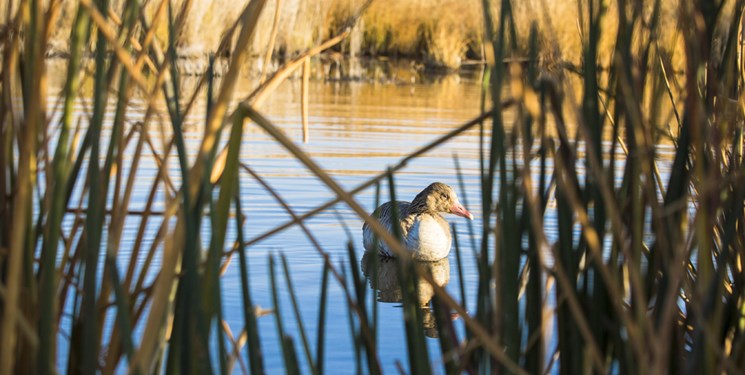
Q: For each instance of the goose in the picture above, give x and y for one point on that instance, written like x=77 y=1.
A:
x=424 y=231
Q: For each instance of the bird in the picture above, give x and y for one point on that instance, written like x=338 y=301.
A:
x=425 y=233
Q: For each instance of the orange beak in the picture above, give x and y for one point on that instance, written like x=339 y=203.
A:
x=461 y=211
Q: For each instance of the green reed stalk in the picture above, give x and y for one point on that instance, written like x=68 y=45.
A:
x=193 y=185
x=417 y=346
x=19 y=250
x=354 y=332
x=298 y=318
x=291 y=364
x=188 y=349
x=484 y=308
x=592 y=196
x=320 y=341
x=113 y=162
x=447 y=337
x=445 y=328
x=506 y=258
x=464 y=196
x=532 y=218
x=417 y=349
x=366 y=337
x=48 y=279
x=96 y=207
x=256 y=359
x=220 y=213
x=123 y=308
x=285 y=342
x=375 y=275
x=118 y=221
x=461 y=281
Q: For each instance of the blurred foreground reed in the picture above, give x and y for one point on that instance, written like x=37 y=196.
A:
x=644 y=277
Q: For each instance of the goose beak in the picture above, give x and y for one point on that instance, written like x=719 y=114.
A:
x=461 y=211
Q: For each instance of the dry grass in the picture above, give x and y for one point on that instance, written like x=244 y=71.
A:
x=441 y=33
x=438 y=32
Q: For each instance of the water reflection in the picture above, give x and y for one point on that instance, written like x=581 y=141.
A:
x=357 y=130
x=387 y=283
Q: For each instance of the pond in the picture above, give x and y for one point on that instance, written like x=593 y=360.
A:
x=357 y=131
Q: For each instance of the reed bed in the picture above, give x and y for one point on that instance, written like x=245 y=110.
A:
x=644 y=277
x=442 y=34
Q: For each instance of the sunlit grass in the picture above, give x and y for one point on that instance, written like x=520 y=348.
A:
x=441 y=33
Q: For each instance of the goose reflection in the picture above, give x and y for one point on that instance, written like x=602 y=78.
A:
x=388 y=285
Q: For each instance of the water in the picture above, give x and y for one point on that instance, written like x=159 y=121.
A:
x=357 y=130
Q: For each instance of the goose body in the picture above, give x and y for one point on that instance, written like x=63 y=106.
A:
x=423 y=229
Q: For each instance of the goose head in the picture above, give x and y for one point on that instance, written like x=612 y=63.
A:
x=439 y=197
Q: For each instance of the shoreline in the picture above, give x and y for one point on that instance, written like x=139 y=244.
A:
x=329 y=66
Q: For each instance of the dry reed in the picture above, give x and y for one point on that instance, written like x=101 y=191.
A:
x=646 y=273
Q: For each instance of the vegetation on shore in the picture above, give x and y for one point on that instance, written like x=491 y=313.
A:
x=439 y=33
x=644 y=277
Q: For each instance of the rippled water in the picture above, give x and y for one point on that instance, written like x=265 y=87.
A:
x=357 y=130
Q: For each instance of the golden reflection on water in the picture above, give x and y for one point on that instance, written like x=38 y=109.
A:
x=355 y=127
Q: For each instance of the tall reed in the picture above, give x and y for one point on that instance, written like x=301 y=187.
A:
x=645 y=275
x=59 y=266
x=646 y=270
